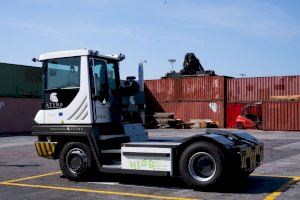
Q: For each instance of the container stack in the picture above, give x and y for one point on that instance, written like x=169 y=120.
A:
x=20 y=93
x=189 y=98
x=243 y=91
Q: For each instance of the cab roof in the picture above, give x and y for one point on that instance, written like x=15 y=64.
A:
x=80 y=52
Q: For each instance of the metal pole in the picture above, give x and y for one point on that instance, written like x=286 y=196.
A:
x=141 y=74
x=172 y=61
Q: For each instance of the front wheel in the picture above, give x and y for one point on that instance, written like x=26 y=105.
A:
x=201 y=165
x=75 y=161
x=240 y=125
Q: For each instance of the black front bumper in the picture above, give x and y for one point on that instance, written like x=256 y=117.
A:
x=251 y=156
x=248 y=152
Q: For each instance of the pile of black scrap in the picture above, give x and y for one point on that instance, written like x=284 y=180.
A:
x=191 y=67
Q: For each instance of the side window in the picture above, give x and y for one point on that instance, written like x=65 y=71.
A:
x=63 y=73
x=100 y=85
x=111 y=76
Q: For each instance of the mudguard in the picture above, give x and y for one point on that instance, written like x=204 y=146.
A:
x=241 y=149
x=210 y=137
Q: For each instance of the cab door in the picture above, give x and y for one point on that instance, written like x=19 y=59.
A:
x=100 y=91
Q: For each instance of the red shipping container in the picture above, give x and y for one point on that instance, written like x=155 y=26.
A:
x=281 y=116
x=203 y=88
x=261 y=88
x=188 y=110
x=161 y=89
x=17 y=114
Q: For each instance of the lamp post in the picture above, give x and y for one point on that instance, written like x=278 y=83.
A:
x=141 y=74
x=172 y=61
x=141 y=83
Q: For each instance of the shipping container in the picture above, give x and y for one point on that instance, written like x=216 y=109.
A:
x=161 y=90
x=261 y=88
x=281 y=116
x=17 y=114
x=187 y=110
x=20 y=81
x=203 y=88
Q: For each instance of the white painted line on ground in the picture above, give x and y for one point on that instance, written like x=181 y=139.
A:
x=295 y=145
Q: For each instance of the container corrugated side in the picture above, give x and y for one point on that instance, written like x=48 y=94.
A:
x=17 y=114
x=281 y=116
x=187 y=110
x=202 y=88
x=261 y=88
x=20 y=81
x=161 y=89
x=187 y=88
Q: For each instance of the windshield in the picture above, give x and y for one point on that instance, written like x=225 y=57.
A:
x=62 y=73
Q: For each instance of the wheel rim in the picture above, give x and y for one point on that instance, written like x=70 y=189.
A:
x=76 y=160
x=202 y=166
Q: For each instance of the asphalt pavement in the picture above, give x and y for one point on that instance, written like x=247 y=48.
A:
x=24 y=175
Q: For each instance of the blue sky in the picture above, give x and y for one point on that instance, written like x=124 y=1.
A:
x=257 y=38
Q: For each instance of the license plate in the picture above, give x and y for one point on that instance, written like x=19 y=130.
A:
x=251 y=157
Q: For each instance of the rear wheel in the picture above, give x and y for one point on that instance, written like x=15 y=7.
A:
x=259 y=126
x=239 y=125
x=76 y=161
x=201 y=165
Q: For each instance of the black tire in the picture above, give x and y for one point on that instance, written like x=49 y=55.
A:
x=259 y=126
x=199 y=177
x=239 y=125
x=76 y=161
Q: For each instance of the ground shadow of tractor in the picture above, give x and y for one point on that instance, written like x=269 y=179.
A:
x=254 y=184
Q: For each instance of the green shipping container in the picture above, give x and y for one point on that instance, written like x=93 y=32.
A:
x=20 y=80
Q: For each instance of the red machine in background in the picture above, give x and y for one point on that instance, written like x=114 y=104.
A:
x=250 y=117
